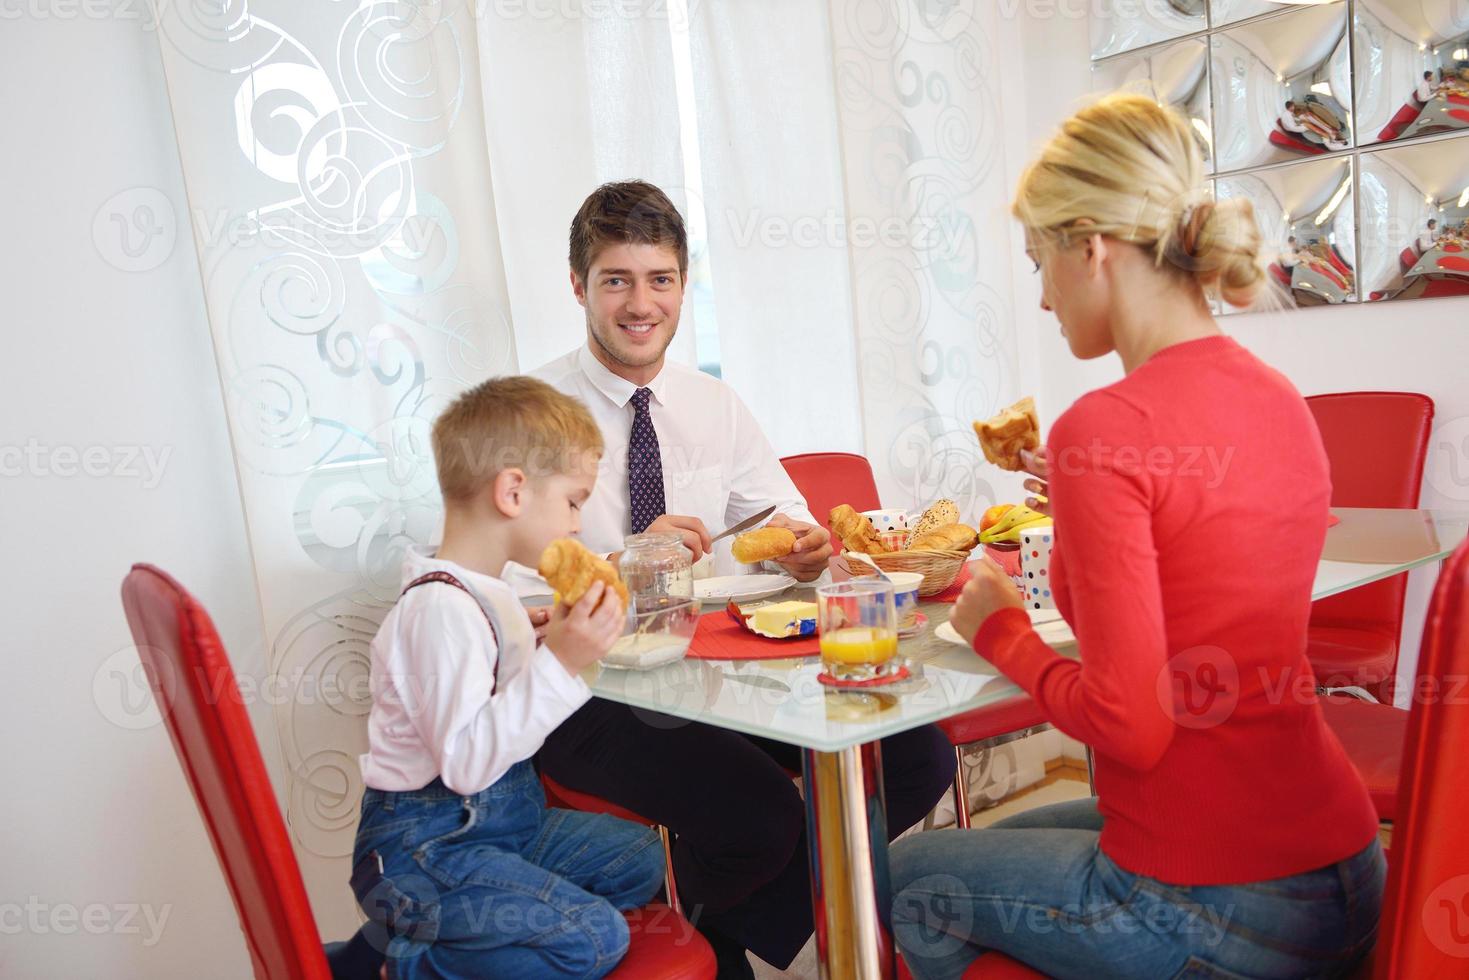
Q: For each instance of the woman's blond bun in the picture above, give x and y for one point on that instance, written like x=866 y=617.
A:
x=1132 y=168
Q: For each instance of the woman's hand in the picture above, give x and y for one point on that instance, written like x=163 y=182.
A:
x=988 y=590
x=1038 y=463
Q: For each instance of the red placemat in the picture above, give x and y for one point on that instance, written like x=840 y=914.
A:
x=951 y=594
x=720 y=638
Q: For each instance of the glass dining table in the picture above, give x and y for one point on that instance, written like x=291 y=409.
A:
x=838 y=730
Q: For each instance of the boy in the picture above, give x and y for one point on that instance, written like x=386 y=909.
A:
x=457 y=856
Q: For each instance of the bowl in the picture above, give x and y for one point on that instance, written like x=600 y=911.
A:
x=905 y=596
x=660 y=629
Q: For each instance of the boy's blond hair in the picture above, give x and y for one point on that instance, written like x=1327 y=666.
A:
x=511 y=422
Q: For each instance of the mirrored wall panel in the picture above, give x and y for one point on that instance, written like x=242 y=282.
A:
x=1282 y=88
x=1121 y=25
x=1225 y=12
x=1307 y=218
x=1415 y=221
x=1176 y=75
x=1412 y=68
x=1344 y=122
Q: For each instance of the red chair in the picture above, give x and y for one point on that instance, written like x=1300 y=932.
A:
x=570 y=799
x=1376 y=443
x=828 y=479
x=195 y=688
x=990 y=726
x=1425 y=921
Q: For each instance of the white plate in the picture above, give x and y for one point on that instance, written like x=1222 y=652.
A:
x=1049 y=626
x=741 y=588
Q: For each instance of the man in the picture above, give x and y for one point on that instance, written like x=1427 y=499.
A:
x=696 y=460
x=1429 y=237
x=1426 y=89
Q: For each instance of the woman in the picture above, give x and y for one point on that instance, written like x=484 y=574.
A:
x=1231 y=836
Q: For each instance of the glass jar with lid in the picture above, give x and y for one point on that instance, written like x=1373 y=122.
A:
x=655 y=566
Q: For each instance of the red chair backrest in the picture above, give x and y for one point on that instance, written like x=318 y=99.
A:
x=1376 y=443
x=829 y=479
x=1425 y=922
x=196 y=693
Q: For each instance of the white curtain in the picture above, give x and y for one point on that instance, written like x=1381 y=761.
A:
x=342 y=209
x=380 y=196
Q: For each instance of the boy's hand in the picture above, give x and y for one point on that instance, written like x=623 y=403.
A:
x=582 y=635
x=540 y=616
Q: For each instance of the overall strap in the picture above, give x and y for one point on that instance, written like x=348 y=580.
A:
x=448 y=579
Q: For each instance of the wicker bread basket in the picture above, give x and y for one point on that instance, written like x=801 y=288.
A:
x=938 y=568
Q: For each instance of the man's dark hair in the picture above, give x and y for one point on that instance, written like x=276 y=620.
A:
x=626 y=212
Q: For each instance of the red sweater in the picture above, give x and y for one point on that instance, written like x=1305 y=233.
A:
x=1191 y=503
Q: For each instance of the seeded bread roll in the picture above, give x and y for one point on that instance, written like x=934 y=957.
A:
x=941 y=513
x=570 y=569
x=764 y=544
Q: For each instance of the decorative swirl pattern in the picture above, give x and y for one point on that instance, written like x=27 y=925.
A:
x=345 y=315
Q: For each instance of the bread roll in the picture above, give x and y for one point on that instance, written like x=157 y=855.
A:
x=856 y=531
x=950 y=537
x=941 y=513
x=571 y=569
x=764 y=544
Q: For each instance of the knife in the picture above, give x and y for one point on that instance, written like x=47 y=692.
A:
x=746 y=524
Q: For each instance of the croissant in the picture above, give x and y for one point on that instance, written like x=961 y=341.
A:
x=856 y=531
x=950 y=537
x=762 y=545
x=571 y=569
x=943 y=512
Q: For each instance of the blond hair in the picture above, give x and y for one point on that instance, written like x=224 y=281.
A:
x=511 y=422
x=1133 y=168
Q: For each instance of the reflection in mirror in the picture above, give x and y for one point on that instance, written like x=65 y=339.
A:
x=1282 y=88
x=1176 y=75
x=1306 y=220
x=1412 y=68
x=1121 y=25
x=1415 y=220
x=1228 y=11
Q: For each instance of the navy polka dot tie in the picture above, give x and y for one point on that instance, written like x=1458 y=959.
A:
x=644 y=466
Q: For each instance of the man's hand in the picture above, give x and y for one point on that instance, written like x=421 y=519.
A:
x=988 y=591
x=695 y=535
x=582 y=635
x=808 y=558
x=539 y=617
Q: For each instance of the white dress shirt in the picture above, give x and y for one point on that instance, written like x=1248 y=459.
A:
x=433 y=666
x=1426 y=241
x=1426 y=91
x=717 y=464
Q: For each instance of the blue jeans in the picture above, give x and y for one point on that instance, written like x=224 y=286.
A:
x=497 y=885
x=1038 y=888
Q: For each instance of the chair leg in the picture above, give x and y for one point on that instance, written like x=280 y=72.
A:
x=961 y=791
x=668 y=881
x=1091 y=784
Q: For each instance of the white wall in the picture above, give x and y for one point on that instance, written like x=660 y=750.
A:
x=97 y=812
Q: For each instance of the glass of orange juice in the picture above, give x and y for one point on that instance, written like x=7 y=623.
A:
x=858 y=623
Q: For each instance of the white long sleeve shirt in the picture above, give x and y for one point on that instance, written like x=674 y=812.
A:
x=433 y=667
x=717 y=464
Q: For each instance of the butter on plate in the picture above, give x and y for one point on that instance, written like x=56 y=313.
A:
x=783 y=619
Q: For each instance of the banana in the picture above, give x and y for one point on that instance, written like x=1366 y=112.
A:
x=997 y=534
x=1015 y=516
